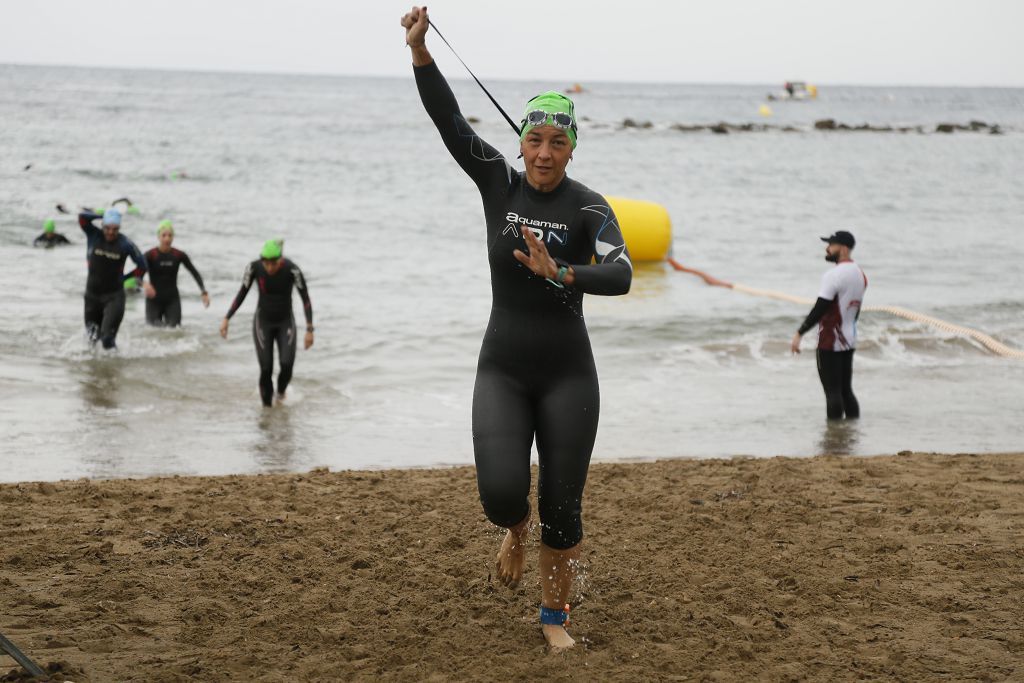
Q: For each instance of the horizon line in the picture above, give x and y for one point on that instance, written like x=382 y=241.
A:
x=326 y=74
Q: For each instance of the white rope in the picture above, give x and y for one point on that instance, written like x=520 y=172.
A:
x=985 y=340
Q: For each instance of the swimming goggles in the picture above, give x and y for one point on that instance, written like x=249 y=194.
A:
x=539 y=117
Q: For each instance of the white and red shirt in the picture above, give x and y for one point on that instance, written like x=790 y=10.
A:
x=844 y=286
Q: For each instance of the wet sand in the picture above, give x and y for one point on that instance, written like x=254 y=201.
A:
x=908 y=567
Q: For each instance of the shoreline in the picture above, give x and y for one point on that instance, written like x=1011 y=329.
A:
x=905 y=566
x=442 y=466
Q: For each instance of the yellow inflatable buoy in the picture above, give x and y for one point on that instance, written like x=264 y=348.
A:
x=765 y=110
x=645 y=226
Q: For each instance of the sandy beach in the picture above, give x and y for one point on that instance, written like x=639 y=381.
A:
x=908 y=567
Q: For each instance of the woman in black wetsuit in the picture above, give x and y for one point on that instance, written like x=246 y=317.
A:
x=163 y=262
x=535 y=376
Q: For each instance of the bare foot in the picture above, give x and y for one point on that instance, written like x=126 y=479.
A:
x=558 y=638
x=508 y=564
x=279 y=399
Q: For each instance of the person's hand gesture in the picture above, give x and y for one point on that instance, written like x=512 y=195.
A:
x=416 y=24
x=206 y=299
x=149 y=290
x=538 y=260
x=308 y=341
x=224 y=328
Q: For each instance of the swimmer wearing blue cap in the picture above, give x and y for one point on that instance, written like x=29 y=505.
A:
x=107 y=250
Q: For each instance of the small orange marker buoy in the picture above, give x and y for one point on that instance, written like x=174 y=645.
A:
x=566 y=610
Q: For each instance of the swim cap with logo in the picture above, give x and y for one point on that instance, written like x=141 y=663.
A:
x=50 y=225
x=165 y=225
x=272 y=249
x=553 y=103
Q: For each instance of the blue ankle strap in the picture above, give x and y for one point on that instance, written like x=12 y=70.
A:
x=552 y=616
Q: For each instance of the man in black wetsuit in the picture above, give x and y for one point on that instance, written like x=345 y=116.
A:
x=163 y=261
x=50 y=237
x=535 y=376
x=107 y=250
x=274 y=321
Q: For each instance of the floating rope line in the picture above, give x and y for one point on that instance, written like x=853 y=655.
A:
x=993 y=345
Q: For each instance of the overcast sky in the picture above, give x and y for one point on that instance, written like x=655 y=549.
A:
x=926 y=42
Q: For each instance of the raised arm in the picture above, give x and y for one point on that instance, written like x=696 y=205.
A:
x=481 y=162
x=85 y=222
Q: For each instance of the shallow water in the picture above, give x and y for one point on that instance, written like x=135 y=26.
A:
x=389 y=233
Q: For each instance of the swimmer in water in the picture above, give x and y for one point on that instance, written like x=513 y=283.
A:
x=163 y=262
x=107 y=250
x=536 y=377
x=50 y=237
x=274 y=320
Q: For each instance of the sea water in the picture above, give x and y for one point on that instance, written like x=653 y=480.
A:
x=389 y=233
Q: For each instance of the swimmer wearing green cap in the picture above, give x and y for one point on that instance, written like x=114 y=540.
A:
x=550 y=240
x=50 y=237
x=163 y=260
x=274 y=321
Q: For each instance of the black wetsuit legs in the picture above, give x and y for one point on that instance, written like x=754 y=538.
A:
x=265 y=334
x=164 y=312
x=835 y=368
x=559 y=403
x=103 y=315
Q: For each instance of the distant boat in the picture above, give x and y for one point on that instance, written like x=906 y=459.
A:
x=575 y=89
x=795 y=90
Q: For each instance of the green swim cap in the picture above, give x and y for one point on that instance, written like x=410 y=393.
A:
x=165 y=224
x=50 y=225
x=272 y=249
x=553 y=103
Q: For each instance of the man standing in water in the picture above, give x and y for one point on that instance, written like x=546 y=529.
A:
x=274 y=320
x=107 y=250
x=163 y=262
x=550 y=240
x=836 y=313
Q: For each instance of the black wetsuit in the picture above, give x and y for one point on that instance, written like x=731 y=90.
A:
x=274 y=321
x=50 y=239
x=536 y=375
x=165 y=307
x=104 y=288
